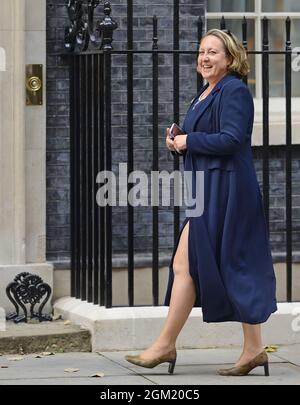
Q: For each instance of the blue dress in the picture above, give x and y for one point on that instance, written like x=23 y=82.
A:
x=229 y=252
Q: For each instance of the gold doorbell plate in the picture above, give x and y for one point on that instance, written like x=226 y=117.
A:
x=34 y=84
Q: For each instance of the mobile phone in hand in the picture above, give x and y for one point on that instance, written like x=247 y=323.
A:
x=175 y=130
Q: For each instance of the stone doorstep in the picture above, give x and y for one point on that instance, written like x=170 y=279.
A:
x=55 y=336
x=134 y=328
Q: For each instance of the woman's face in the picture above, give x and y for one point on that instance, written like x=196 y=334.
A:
x=212 y=59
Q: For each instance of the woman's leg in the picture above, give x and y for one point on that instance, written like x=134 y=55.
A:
x=183 y=297
x=252 y=343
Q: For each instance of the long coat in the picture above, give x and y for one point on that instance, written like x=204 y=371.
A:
x=229 y=252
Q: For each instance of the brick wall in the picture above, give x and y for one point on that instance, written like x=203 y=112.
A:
x=58 y=142
x=58 y=192
x=277 y=198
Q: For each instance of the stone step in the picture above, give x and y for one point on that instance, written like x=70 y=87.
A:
x=56 y=336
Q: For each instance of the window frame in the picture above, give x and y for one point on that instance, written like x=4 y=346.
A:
x=257 y=16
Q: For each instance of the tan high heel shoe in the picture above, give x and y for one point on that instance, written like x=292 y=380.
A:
x=260 y=360
x=169 y=357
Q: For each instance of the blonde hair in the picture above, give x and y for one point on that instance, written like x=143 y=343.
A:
x=234 y=49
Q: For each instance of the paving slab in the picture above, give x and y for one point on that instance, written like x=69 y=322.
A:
x=54 y=366
x=280 y=374
x=290 y=354
x=194 y=367
x=125 y=380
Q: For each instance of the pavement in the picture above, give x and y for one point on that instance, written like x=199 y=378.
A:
x=193 y=367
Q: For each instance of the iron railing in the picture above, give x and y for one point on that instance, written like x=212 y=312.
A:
x=91 y=149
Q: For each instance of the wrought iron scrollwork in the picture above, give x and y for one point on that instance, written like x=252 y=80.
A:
x=83 y=31
x=28 y=289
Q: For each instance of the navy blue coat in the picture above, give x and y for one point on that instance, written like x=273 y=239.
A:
x=229 y=251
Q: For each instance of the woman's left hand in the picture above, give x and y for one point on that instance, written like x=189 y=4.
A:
x=180 y=142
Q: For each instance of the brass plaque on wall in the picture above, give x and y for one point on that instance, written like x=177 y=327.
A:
x=34 y=84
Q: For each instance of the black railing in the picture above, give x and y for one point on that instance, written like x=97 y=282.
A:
x=91 y=149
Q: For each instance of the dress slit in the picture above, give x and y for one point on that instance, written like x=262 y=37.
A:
x=178 y=240
x=171 y=270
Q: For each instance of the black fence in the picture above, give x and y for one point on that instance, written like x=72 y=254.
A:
x=91 y=149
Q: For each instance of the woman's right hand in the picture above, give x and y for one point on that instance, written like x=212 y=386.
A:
x=169 y=142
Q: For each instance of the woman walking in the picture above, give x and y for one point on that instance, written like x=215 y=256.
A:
x=222 y=259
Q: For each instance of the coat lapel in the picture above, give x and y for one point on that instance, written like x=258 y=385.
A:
x=203 y=88
x=212 y=95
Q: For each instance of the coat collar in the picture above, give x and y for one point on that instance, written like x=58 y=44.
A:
x=209 y=99
x=222 y=82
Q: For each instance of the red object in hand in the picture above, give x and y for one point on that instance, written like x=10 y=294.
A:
x=175 y=130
